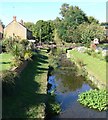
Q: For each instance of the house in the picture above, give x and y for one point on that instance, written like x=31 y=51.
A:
x=17 y=29
x=1 y=31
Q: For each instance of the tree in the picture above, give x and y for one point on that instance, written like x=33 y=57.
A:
x=64 y=8
x=72 y=17
x=44 y=30
x=91 y=19
x=31 y=26
x=89 y=32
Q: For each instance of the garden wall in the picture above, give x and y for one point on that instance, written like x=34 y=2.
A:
x=20 y=68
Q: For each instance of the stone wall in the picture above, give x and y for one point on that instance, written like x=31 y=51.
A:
x=20 y=68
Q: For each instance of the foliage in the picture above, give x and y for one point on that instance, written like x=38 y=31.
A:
x=72 y=17
x=106 y=58
x=8 y=81
x=89 y=32
x=27 y=55
x=53 y=108
x=16 y=62
x=75 y=26
x=104 y=23
x=96 y=99
x=91 y=19
x=80 y=62
x=44 y=31
x=20 y=49
x=89 y=51
x=31 y=26
x=95 y=54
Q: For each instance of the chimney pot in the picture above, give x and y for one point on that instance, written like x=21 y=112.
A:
x=14 y=18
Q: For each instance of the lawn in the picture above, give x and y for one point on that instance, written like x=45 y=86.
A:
x=5 y=61
x=93 y=65
x=30 y=93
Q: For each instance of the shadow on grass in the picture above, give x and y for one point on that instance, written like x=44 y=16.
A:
x=25 y=99
x=5 y=62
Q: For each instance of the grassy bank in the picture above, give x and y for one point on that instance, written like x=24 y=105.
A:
x=30 y=95
x=5 y=61
x=93 y=65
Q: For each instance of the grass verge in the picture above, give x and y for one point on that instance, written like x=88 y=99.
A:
x=5 y=61
x=93 y=65
x=30 y=93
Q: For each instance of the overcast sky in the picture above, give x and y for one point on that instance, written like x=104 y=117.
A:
x=32 y=10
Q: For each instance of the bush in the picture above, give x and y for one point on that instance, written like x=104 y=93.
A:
x=106 y=58
x=8 y=81
x=96 y=99
x=94 y=54
x=80 y=62
x=53 y=108
x=89 y=51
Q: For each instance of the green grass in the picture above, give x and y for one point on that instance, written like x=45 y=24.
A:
x=30 y=95
x=5 y=61
x=93 y=65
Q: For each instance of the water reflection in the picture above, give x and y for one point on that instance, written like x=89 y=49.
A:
x=66 y=83
x=66 y=76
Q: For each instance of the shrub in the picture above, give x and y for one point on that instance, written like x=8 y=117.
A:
x=80 y=62
x=53 y=108
x=16 y=62
x=8 y=81
x=94 y=54
x=106 y=58
x=96 y=99
x=89 y=51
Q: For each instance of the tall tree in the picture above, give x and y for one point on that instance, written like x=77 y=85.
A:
x=31 y=26
x=89 y=32
x=64 y=8
x=44 y=30
x=72 y=17
x=91 y=19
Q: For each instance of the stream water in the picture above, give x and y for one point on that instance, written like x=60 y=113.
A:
x=68 y=84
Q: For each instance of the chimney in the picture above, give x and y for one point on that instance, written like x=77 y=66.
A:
x=14 y=18
x=22 y=23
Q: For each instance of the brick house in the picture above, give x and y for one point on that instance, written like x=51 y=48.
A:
x=17 y=29
x=1 y=31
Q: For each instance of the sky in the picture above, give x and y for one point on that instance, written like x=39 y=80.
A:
x=34 y=10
